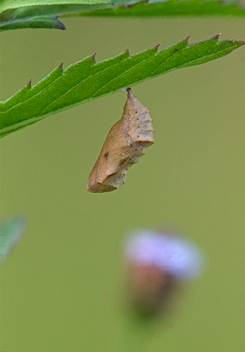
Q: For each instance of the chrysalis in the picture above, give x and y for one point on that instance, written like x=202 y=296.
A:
x=126 y=142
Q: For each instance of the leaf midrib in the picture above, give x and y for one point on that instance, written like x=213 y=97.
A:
x=118 y=76
x=94 y=75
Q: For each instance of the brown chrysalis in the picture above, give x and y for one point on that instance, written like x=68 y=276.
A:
x=125 y=144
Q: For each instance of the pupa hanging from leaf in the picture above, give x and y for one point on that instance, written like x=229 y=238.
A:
x=125 y=144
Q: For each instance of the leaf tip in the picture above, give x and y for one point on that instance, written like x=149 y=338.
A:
x=184 y=41
x=216 y=36
x=127 y=51
x=60 y=24
x=61 y=66
x=93 y=57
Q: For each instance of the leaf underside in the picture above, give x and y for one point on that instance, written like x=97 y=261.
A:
x=43 y=14
x=166 y=8
x=87 y=80
x=46 y=16
x=13 y=4
x=48 y=22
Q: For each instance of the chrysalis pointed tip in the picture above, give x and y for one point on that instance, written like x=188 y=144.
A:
x=130 y=93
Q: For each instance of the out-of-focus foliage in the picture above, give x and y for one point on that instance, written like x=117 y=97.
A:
x=42 y=14
x=46 y=16
x=170 y=8
x=10 y=234
x=14 y=4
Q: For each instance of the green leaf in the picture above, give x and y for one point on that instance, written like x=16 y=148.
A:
x=10 y=234
x=14 y=4
x=48 y=22
x=44 y=16
x=87 y=80
x=166 y=8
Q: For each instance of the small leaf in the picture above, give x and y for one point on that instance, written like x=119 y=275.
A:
x=86 y=80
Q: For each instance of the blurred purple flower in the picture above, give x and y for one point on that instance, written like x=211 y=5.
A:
x=158 y=263
x=179 y=257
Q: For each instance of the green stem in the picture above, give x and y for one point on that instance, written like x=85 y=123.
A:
x=135 y=335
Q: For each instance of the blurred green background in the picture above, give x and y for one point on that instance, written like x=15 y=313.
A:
x=61 y=287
